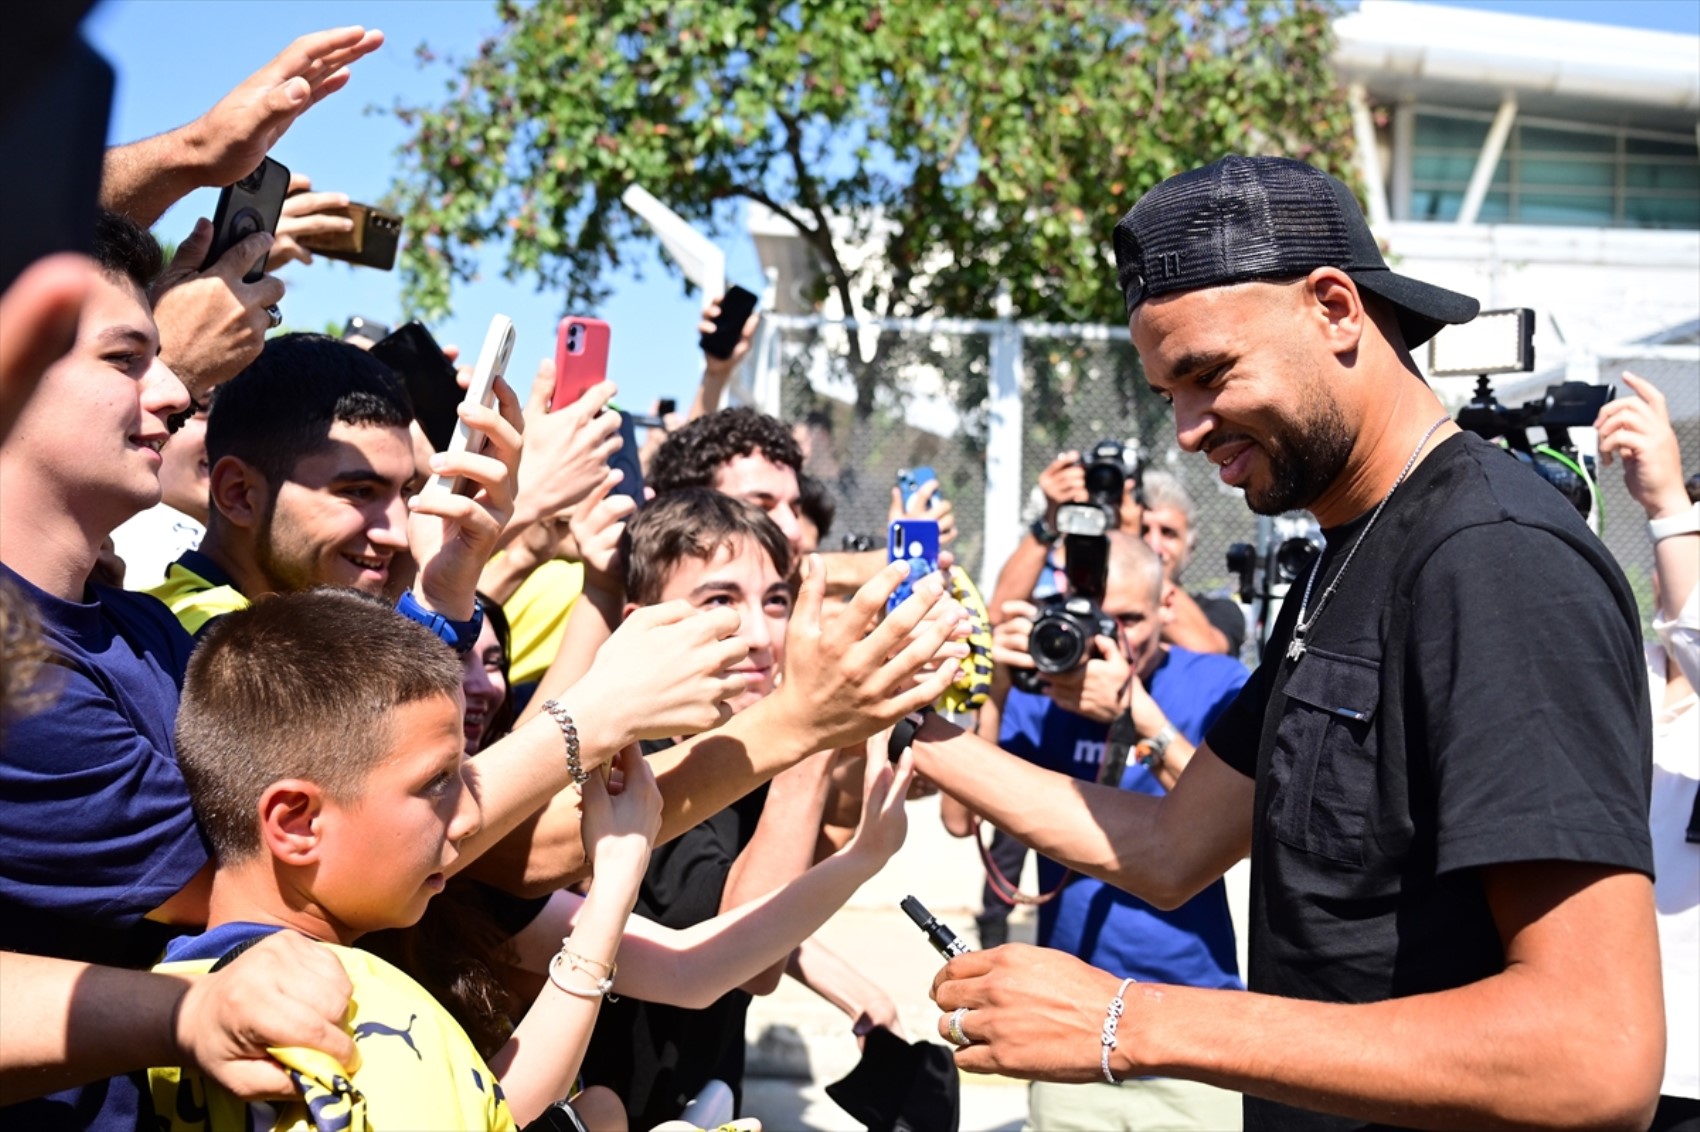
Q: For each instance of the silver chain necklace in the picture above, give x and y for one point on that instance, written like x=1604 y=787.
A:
x=1303 y=625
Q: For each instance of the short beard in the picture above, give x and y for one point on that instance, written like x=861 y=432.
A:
x=1304 y=462
x=281 y=575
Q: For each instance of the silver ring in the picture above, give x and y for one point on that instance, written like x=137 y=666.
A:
x=954 y=1030
x=275 y=315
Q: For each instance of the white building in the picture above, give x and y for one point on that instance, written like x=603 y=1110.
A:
x=1533 y=162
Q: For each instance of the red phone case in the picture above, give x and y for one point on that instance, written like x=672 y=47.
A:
x=581 y=358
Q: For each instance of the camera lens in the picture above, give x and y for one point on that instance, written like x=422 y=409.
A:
x=1057 y=645
x=1293 y=557
x=251 y=183
x=244 y=224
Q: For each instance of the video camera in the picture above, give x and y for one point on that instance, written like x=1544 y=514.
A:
x=1502 y=341
x=1061 y=640
x=1287 y=547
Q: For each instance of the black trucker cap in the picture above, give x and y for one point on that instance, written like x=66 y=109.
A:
x=1245 y=218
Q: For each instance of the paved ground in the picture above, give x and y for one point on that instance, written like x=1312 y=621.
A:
x=944 y=874
x=795 y=1031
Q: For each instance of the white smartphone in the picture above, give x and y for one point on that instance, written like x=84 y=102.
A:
x=481 y=390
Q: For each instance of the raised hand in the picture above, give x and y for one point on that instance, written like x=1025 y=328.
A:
x=620 y=824
x=452 y=535
x=927 y=504
x=306 y=214
x=843 y=683
x=211 y=323
x=566 y=452
x=885 y=788
x=667 y=671
x=1638 y=431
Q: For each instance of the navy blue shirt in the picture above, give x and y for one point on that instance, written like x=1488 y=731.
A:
x=95 y=825
x=1115 y=931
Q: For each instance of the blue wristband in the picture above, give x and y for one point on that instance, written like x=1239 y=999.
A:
x=458 y=635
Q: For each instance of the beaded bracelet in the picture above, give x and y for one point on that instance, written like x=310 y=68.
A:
x=1108 y=1039
x=569 y=732
x=573 y=961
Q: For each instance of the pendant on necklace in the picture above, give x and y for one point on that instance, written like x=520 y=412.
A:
x=1296 y=648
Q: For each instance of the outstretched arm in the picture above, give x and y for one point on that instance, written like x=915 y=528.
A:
x=143 y=179
x=67 y=1023
x=1565 y=1036
x=691 y=967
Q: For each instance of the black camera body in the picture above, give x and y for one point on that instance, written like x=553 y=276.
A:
x=1572 y=404
x=1061 y=640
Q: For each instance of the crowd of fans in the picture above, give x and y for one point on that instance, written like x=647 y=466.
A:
x=492 y=809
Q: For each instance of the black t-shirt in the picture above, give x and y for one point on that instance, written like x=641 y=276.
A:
x=658 y=1057
x=1473 y=694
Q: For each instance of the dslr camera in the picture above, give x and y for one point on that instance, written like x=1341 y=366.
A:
x=1061 y=640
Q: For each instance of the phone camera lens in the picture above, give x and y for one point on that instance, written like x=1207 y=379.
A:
x=251 y=183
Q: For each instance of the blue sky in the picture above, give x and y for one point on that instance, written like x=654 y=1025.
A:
x=176 y=57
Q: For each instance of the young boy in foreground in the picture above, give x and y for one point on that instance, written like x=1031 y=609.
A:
x=321 y=738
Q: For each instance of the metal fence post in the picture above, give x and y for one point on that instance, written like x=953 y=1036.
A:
x=1003 y=449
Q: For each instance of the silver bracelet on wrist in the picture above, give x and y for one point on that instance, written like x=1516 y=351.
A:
x=570 y=733
x=1112 y=1015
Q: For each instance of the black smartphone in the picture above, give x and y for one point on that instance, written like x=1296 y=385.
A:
x=430 y=378
x=372 y=242
x=251 y=205
x=626 y=458
x=54 y=136
x=735 y=309
x=666 y=406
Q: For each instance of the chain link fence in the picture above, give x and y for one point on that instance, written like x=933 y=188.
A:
x=987 y=401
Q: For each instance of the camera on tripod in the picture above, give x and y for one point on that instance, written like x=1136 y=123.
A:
x=1061 y=640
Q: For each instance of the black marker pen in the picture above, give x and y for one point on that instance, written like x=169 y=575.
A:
x=944 y=940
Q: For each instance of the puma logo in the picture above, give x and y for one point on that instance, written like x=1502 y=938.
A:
x=371 y=1029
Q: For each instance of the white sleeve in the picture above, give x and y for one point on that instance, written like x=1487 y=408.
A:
x=1681 y=637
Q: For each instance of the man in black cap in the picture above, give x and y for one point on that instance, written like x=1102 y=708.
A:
x=1440 y=770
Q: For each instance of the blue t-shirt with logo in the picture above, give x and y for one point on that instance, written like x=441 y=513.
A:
x=1108 y=928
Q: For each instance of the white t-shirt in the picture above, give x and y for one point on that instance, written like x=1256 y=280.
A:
x=1676 y=864
x=151 y=541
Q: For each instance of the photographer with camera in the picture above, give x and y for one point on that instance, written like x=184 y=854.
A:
x=1102 y=476
x=1128 y=714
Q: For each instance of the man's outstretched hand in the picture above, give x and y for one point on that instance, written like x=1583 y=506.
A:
x=143 y=179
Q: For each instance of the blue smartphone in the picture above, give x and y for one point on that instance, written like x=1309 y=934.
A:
x=915 y=541
x=910 y=481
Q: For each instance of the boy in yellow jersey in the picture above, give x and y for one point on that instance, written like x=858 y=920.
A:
x=320 y=735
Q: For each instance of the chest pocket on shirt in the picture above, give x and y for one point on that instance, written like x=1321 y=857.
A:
x=1323 y=766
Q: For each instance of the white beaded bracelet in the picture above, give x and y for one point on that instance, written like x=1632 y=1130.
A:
x=1108 y=1040
x=573 y=961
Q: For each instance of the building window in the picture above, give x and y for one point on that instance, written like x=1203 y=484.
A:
x=1555 y=173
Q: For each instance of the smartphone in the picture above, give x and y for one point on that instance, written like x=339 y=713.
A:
x=735 y=309
x=946 y=942
x=625 y=458
x=915 y=541
x=372 y=242
x=666 y=407
x=910 y=481
x=481 y=390
x=251 y=205
x=581 y=358
x=430 y=379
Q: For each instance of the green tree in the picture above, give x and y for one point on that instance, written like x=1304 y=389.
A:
x=988 y=144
